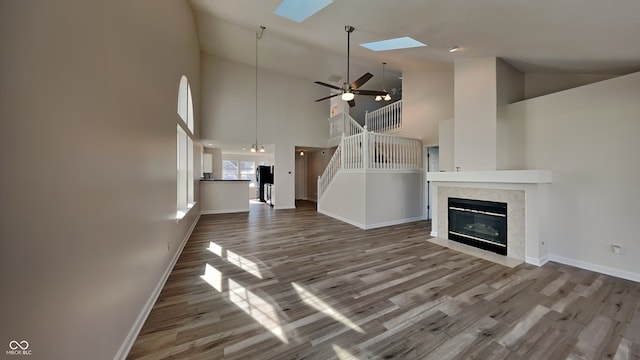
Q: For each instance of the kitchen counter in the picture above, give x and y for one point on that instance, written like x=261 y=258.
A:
x=224 y=196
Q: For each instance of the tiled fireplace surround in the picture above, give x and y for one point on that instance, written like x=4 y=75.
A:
x=524 y=191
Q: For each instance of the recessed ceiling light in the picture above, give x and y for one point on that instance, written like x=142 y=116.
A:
x=299 y=11
x=454 y=49
x=393 y=44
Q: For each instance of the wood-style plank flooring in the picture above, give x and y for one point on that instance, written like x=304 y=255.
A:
x=295 y=284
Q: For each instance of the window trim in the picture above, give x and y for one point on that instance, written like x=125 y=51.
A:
x=185 y=151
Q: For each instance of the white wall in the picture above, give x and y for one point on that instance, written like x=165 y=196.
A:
x=288 y=115
x=371 y=199
x=393 y=198
x=216 y=155
x=446 y=145
x=88 y=101
x=587 y=137
x=427 y=100
x=475 y=114
x=346 y=185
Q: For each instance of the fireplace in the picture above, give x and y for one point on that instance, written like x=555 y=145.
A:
x=478 y=223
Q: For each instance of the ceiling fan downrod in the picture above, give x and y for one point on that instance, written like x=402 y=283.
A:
x=349 y=29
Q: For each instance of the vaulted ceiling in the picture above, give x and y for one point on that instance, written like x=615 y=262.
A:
x=569 y=36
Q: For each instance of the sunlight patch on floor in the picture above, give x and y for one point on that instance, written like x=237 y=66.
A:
x=343 y=354
x=259 y=309
x=244 y=264
x=316 y=303
x=240 y=261
x=213 y=277
x=215 y=248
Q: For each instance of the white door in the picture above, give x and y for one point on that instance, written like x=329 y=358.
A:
x=432 y=164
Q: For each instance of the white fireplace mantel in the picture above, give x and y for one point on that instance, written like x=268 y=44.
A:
x=500 y=176
x=501 y=185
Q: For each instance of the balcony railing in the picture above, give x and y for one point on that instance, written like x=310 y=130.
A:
x=387 y=119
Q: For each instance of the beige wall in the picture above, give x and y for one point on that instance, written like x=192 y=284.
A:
x=317 y=162
x=88 y=102
x=510 y=88
x=538 y=84
x=427 y=100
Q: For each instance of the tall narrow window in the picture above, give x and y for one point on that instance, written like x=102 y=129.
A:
x=185 y=150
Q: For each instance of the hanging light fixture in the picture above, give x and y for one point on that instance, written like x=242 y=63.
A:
x=386 y=97
x=254 y=147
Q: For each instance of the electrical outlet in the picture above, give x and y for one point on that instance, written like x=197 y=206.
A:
x=616 y=249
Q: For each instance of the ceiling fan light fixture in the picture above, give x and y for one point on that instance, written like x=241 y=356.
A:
x=348 y=96
x=262 y=149
x=378 y=98
x=253 y=148
x=387 y=97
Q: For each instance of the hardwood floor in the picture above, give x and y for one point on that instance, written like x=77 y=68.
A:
x=295 y=284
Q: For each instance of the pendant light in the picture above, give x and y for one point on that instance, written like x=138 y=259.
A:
x=387 y=97
x=254 y=147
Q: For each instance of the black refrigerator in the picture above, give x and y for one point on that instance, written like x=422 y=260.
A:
x=264 y=178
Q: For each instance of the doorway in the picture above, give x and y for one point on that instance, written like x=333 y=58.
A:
x=301 y=174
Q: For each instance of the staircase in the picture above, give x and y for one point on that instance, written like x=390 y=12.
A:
x=373 y=179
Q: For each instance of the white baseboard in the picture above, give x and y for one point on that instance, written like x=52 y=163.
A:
x=434 y=234
x=348 y=221
x=369 y=226
x=225 y=211
x=597 y=268
x=390 y=223
x=536 y=261
x=142 y=317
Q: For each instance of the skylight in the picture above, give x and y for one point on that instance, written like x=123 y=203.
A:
x=298 y=10
x=393 y=44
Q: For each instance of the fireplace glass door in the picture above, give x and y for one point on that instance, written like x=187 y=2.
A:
x=478 y=223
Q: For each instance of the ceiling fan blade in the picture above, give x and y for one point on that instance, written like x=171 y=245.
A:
x=369 y=92
x=351 y=103
x=328 y=85
x=363 y=79
x=328 y=97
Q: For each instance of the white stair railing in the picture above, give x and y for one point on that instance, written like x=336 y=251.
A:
x=343 y=125
x=330 y=171
x=372 y=151
x=386 y=119
x=388 y=152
